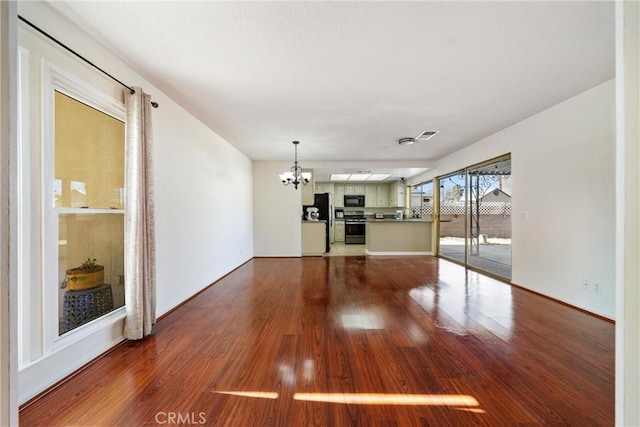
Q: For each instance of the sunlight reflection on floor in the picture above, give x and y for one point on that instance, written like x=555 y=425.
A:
x=460 y=401
x=389 y=399
x=259 y=394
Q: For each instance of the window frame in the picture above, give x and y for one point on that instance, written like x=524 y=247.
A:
x=56 y=79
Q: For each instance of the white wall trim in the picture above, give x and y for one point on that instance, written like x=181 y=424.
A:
x=8 y=216
x=23 y=206
x=52 y=367
x=77 y=335
x=56 y=78
x=627 y=352
x=620 y=164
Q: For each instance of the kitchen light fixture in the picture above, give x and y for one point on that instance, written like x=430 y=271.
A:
x=378 y=176
x=295 y=176
x=359 y=176
x=339 y=176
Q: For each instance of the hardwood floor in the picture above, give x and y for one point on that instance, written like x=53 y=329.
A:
x=349 y=341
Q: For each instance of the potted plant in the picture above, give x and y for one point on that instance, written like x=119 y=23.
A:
x=88 y=275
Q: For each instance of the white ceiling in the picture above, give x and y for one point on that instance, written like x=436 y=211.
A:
x=348 y=79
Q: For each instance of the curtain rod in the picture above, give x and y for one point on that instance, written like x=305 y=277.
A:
x=131 y=90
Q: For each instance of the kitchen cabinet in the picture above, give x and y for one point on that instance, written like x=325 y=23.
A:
x=338 y=199
x=371 y=196
x=324 y=187
x=354 y=189
x=338 y=231
x=397 y=195
x=402 y=196
x=382 y=196
x=307 y=190
x=393 y=197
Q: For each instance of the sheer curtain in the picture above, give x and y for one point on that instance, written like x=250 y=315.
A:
x=140 y=268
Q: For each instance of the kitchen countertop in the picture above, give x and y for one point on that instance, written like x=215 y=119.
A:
x=304 y=221
x=399 y=220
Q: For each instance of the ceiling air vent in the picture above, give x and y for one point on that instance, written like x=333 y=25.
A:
x=427 y=134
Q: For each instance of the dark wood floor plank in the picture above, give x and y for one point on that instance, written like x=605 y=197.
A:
x=282 y=342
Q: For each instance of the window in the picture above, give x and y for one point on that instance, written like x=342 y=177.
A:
x=422 y=200
x=83 y=208
x=88 y=200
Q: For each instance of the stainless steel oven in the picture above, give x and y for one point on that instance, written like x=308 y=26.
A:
x=354 y=233
x=354 y=228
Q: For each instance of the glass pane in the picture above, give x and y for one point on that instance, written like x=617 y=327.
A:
x=82 y=237
x=489 y=243
x=452 y=216
x=422 y=200
x=89 y=156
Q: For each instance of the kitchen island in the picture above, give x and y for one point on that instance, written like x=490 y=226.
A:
x=399 y=237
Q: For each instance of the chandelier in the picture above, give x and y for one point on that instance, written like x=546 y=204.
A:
x=295 y=176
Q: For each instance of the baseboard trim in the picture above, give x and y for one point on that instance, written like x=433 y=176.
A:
x=566 y=304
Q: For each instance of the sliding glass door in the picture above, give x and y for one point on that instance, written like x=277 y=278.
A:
x=474 y=216
x=451 y=216
x=489 y=217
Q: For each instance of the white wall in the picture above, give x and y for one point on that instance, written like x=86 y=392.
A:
x=565 y=170
x=277 y=212
x=203 y=206
x=563 y=167
x=203 y=198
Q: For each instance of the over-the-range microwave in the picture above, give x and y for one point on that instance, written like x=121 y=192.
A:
x=353 y=201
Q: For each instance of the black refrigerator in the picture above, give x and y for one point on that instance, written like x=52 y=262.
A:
x=321 y=201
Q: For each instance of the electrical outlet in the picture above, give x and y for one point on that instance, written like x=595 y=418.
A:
x=586 y=285
x=596 y=287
